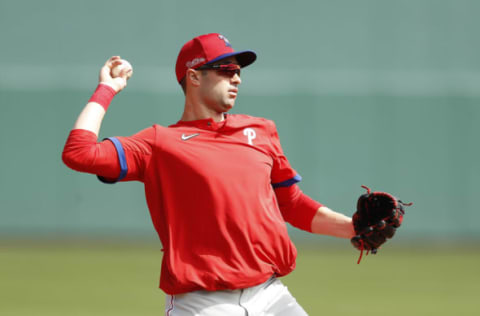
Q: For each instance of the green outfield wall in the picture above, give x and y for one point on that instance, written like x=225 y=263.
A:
x=380 y=93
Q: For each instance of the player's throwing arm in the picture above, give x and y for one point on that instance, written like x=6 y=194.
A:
x=112 y=79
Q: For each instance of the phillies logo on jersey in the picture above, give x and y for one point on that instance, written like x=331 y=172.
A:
x=227 y=43
x=251 y=135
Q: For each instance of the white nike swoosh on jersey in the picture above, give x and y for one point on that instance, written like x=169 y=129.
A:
x=187 y=137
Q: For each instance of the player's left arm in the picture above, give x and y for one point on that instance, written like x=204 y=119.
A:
x=328 y=222
x=298 y=208
x=303 y=212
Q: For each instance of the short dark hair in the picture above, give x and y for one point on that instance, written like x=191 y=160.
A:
x=183 y=85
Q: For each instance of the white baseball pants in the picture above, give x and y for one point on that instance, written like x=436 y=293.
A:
x=271 y=298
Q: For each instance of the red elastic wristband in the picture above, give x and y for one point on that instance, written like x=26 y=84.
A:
x=103 y=95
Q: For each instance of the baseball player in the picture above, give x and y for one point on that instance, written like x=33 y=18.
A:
x=218 y=187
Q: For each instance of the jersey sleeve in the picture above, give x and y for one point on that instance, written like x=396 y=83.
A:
x=283 y=175
x=113 y=159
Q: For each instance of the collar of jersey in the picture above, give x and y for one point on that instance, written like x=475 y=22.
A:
x=208 y=124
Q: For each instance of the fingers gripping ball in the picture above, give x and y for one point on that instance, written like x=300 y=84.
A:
x=376 y=220
x=122 y=68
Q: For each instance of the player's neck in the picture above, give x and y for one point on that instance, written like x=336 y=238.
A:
x=196 y=111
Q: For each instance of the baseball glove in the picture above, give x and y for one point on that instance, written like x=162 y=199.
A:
x=378 y=216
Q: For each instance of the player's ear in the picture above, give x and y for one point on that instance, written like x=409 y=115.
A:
x=193 y=77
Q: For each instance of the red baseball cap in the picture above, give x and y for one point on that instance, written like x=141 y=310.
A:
x=208 y=48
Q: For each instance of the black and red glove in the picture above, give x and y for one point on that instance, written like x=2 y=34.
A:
x=377 y=218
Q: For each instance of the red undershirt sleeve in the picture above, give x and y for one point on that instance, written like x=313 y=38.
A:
x=297 y=208
x=83 y=153
x=113 y=159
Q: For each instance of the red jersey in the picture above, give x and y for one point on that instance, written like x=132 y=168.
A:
x=210 y=191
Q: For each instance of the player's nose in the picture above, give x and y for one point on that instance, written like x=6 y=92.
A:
x=236 y=79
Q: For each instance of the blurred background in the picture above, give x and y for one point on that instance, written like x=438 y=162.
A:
x=376 y=92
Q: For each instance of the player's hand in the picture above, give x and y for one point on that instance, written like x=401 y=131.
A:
x=117 y=83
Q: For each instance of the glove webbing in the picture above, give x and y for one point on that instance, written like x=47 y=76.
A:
x=374 y=250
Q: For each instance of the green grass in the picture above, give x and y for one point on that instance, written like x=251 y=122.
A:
x=104 y=279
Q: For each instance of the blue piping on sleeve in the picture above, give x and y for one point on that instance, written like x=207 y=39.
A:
x=121 y=158
x=288 y=182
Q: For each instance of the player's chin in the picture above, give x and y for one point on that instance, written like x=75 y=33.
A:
x=229 y=104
